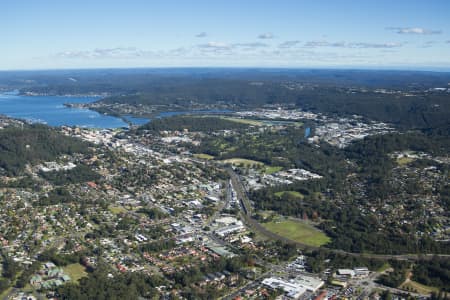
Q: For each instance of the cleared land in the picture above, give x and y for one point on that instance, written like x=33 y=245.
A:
x=5 y=293
x=272 y=169
x=254 y=122
x=244 y=121
x=117 y=210
x=291 y=193
x=75 y=271
x=414 y=286
x=291 y=123
x=204 y=156
x=244 y=162
x=404 y=160
x=384 y=267
x=298 y=231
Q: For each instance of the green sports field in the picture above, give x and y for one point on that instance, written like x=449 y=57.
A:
x=298 y=231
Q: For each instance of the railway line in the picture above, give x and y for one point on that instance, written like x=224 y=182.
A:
x=246 y=213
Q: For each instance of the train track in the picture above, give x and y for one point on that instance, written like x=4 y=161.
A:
x=246 y=212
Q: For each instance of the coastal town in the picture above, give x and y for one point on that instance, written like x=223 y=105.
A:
x=225 y=150
x=158 y=209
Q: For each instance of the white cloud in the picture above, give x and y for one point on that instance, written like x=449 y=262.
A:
x=266 y=36
x=131 y=53
x=288 y=44
x=414 y=30
x=375 y=45
x=216 y=46
x=428 y=44
x=316 y=44
x=251 y=45
x=99 y=53
x=221 y=46
x=181 y=51
x=201 y=35
x=257 y=52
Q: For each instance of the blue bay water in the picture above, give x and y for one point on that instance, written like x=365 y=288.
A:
x=136 y=120
x=50 y=110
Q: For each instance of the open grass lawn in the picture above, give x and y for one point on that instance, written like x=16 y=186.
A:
x=404 y=160
x=204 y=156
x=28 y=288
x=219 y=145
x=265 y=213
x=291 y=193
x=244 y=162
x=117 y=209
x=272 y=169
x=5 y=293
x=297 y=231
x=414 y=286
x=384 y=267
x=290 y=123
x=75 y=271
x=243 y=121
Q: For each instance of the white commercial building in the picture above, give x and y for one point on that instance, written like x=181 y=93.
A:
x=311 y=284
x=226 y=221
x=229 y=229
x=292 y=289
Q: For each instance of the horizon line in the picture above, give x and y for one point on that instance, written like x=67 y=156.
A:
x=331 y=68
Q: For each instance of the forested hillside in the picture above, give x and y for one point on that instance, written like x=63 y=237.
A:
x=192 y=123
x=33 y=143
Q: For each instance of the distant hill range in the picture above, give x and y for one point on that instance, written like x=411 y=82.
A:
x=408 y=99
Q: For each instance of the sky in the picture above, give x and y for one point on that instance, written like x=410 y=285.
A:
x=374 y=34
